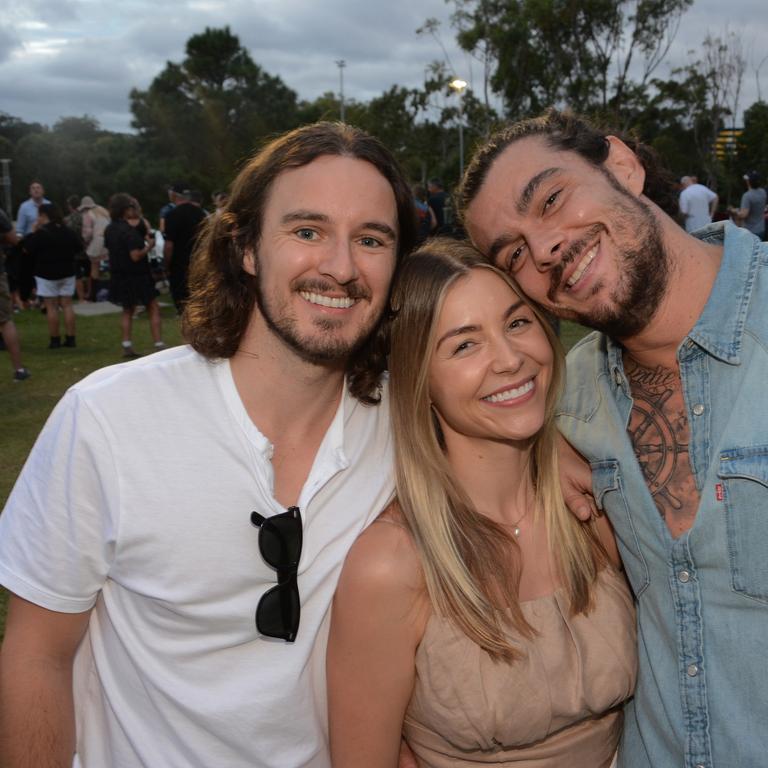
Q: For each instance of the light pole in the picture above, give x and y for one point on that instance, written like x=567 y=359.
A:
x=459 y=85
x=340 y=63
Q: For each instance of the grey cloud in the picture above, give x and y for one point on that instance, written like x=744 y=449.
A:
x=116 y=46
x=9 y=42
x=53 y=13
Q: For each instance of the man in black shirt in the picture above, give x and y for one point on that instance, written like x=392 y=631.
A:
x=182 y=226
x=54 y=247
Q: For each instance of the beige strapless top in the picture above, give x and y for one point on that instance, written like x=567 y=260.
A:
x=558 y=706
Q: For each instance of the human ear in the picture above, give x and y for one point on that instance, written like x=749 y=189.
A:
x=625 y=165
x=249 y=261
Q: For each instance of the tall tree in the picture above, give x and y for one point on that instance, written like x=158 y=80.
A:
x=580 y=53
x=214 y=106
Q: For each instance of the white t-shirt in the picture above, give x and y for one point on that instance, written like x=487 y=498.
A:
x=136 y=501
x=694 y=204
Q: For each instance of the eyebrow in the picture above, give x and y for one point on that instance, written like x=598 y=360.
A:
x=380 y=226
x=530 y=189
x=461 y=330
x=305 y=215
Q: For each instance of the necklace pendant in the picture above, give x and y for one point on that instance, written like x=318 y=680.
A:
x=516 y=531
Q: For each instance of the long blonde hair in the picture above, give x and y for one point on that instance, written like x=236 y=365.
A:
x=471 y=564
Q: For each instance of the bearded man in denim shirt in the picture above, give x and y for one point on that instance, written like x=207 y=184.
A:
x=667 y=401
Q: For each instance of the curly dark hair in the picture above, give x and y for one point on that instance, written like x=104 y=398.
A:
x=223 y=295
x=569 y=132
x=118 y=204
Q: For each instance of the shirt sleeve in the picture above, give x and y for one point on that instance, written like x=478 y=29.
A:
x=684 y=204
x=21 y=220
x=745 y=201
x=59 y=528
x=710 y=194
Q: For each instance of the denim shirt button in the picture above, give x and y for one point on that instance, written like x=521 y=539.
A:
x=698 y=409
x=692 y=670
x=684 y=576
x=700 y=765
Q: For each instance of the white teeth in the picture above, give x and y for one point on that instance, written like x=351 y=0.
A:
x=510 y=394
x=335 y=302
x=583 y=264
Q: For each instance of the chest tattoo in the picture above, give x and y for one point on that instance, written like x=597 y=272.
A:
x=658 y=428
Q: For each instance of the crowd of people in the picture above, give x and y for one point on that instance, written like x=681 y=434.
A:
x=54 y=259
x=368 y=515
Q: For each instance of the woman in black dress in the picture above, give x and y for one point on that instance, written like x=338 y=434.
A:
x=131 y=283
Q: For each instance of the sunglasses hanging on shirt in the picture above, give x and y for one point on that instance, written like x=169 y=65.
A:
x=280 y=540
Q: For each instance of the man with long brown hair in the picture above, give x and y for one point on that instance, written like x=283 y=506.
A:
x=169 y=499
x=665 y=402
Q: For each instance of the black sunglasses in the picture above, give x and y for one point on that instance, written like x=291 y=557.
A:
x=280 y=538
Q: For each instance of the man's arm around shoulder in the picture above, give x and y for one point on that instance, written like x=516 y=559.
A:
x=37 y=719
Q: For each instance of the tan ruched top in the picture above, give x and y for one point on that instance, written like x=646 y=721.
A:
x=558 y=706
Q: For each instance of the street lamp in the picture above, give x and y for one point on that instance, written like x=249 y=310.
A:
x=459 y=85
x=341 y=64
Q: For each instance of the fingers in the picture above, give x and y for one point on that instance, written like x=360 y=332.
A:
x=583 y=506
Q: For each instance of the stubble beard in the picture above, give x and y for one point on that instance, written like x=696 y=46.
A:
x=326 y=347
x=643 y=277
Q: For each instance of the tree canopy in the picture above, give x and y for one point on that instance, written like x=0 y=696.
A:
x=201 y=117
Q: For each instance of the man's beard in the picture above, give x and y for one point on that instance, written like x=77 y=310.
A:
x=643 y=271
x=325 y=348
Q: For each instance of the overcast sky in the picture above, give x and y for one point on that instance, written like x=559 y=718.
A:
x=75 y=57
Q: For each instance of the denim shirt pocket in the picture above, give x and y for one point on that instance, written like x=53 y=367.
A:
x=609 y=495
x=744 y=474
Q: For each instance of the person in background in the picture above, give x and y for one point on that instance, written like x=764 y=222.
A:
x=182 y=228
x=139 y=222
x=8 y=330
x=426 y=223
x=481 y=615
x=438 y=200
x=95 y=223
x=173 y=190
x=697 y=204
x=751 y=213
x=54 y=248
x=131 y=282
x=74 y=220
x=27 y=213
x=22 y=266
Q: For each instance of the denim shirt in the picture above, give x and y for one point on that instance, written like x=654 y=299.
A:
x=702 y=599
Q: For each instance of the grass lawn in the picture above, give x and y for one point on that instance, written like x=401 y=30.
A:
x=25 y=406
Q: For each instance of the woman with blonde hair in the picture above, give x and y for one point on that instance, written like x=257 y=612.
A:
x=477 y=616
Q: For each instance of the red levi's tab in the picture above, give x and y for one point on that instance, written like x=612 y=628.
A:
x=719 y=491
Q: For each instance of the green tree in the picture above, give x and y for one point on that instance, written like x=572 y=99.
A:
x=578 y=53
x=215 y=106
x=753 y=143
